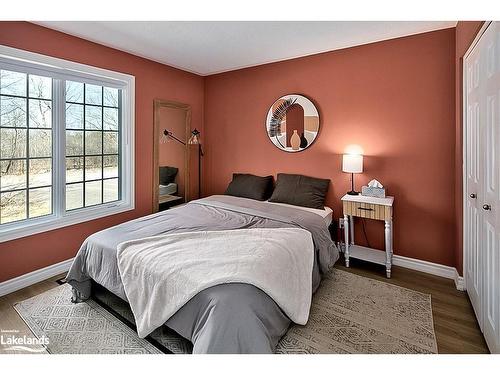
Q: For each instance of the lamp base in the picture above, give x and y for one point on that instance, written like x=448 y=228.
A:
x=352 y=192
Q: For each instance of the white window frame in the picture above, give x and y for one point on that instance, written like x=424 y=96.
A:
x=60 y=70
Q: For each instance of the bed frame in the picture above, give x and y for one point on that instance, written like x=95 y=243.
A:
x=121 y=310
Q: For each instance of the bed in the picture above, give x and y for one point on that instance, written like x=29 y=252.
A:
x=227 y=317
x=168 y=189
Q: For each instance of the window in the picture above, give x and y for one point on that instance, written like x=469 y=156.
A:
x=92 y=144
x=26 y=146
x=66 y=135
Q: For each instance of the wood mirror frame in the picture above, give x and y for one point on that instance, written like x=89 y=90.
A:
x=157 y=106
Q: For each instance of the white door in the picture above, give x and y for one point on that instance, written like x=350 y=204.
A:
x=473 y=161
x=490 y=42
x=482 y=207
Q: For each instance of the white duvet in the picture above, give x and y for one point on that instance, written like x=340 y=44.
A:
x=160 y=274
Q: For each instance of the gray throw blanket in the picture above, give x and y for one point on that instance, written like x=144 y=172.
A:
x=226 y=318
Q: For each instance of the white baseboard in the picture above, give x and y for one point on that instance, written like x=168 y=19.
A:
x=459 y=281
x=34 y=277
x=431 y=268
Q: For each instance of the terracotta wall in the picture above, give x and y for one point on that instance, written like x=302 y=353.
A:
x=153 y=81
x=399 y=99
x=465 y=33
x=394 y=98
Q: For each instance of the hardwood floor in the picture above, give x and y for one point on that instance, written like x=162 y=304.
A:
x=10 y=319
x=455 y=324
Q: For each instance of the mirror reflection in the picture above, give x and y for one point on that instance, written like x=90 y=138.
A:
x=171 y=170
x=292 y=123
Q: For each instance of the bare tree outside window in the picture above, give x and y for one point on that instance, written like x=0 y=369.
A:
x=92 y=132
x=26 y=146
x=92 y=145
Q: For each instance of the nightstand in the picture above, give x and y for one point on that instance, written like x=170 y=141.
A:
x=368 y=208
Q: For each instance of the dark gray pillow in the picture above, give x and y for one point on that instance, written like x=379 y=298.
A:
x=300 y=190
x=167 y=175
x=250 y=186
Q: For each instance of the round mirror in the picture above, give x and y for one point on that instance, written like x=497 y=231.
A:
x=292 y=123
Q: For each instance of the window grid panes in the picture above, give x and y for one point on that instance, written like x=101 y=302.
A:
x=92 y=145
x=26 y=146
x=95 y=146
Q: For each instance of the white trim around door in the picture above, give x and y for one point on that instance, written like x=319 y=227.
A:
x=464 y=150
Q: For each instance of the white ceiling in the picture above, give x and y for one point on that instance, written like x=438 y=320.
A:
x=212 y=47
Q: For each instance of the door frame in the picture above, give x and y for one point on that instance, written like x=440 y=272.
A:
x=480 y=33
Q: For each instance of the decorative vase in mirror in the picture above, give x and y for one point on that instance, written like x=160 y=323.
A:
x=290 y=116
x=303 y=141
x=295 y=141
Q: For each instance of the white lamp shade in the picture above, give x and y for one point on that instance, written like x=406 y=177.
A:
x=352 y=163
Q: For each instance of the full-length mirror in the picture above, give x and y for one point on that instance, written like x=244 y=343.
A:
x=171 y=166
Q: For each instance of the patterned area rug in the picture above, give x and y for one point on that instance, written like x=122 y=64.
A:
x=355 y=314
x=82 y=328
x=349 y=314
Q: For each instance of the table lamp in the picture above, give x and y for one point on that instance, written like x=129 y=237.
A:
x=352 y=163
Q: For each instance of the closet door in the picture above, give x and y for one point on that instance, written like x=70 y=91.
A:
x=490 y=96
x=474 y=190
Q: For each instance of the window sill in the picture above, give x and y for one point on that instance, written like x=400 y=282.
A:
x=52 y=222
